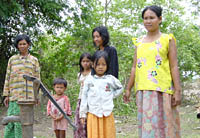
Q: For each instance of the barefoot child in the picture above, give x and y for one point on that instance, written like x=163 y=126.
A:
x=97 y=99
x=59 y=123
x=85 y=64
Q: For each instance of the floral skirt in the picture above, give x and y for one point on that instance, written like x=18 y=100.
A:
x=13 y=129
x=100 y=127
x=156 y=116
x=81 y=131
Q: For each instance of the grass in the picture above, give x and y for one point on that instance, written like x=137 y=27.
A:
x=190 y=125
x=126 y=127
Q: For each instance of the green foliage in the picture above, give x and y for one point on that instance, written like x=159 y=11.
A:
x=26 y=17
x=189 y=52
x=59 y=57
x=195 y=4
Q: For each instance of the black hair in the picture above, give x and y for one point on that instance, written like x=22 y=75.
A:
x=88 y=56
x=22 y=37
x=60 y=81
x=103 y=32
x=156 y=9
x=100 y=54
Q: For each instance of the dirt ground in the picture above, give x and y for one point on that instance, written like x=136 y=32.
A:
x=126 y=126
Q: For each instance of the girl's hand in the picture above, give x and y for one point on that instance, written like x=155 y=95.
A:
x=59 y=118
x=126 y=96
x=176 y=98
x=83 y=120
x=53 y=117
x=6 y=101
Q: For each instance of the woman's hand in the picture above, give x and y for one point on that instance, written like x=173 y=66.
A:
x=6 y=101
x=131 y=80
x=37 y=102
x=126 y=96
x=176 y=98
x=83 y=120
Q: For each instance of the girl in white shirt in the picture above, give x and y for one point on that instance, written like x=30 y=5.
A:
x=97 y=99
x=85 y=64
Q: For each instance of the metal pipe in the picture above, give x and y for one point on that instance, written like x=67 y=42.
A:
x=9 y=119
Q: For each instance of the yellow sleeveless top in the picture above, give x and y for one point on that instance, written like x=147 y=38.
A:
x=152 y=67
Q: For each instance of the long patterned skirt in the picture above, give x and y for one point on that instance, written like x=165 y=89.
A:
x=156 y=116
x=13 y=130
x=81 y=131
x=101 y=127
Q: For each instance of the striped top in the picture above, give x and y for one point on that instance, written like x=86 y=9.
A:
x=15 y=84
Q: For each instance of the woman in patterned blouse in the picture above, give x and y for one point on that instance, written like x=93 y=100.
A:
x=155 y=77
x=15 y=85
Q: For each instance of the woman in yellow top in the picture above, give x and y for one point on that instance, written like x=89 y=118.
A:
x=155 y=77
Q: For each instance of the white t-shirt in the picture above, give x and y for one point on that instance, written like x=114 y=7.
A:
x=98 y=94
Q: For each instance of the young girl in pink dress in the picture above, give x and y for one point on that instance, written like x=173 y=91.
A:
x=85 y=64
x=59 y=123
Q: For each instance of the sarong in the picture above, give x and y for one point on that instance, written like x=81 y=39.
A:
x=13 y=129
x=156 y=117
x=81 y=131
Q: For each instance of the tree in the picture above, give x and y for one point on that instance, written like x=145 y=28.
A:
x=27 y=17
x=59 y=54
x=123 y=23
